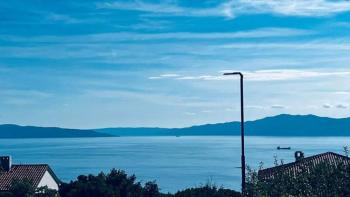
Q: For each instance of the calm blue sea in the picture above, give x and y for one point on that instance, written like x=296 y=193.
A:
x=174 y=162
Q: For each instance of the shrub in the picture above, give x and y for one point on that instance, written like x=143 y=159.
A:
x=323 y=179
x=207 y=191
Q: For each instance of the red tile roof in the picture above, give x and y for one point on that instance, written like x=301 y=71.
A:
x=308 y=162
x=33 y=173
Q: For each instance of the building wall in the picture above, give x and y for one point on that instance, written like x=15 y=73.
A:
x=48 y=181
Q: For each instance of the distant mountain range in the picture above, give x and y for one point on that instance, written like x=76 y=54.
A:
x=15 y=131
x=281 y=125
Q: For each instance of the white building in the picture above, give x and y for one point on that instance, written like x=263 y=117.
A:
x=39 y=175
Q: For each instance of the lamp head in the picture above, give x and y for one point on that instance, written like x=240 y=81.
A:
x=234 y=73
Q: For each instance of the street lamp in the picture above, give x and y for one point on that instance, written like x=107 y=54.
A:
x=242 y=129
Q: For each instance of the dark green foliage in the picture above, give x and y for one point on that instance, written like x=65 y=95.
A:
x=24 y=188
x=207 y=191
x=151 y=190
x=321 y=180
x=115 y=184
x=45 y=192
x=118 y=184
x=6 y=194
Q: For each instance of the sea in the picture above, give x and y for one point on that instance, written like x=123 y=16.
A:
x=175 y=163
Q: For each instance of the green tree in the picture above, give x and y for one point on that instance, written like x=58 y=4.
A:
x=207 y=191
x=22 y=188
x=45 y=192
x=151 y=190
x=323 y=179
x=118 y=184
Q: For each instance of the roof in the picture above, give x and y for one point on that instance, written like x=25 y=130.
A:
x=31 y=172
x=308 y=162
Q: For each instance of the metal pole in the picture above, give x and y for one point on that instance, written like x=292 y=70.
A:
x=242 y=135
x=242 y=130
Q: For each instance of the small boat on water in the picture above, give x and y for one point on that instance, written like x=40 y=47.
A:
x=283 y=148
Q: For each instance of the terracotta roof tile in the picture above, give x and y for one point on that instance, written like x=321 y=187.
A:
x=33 y=173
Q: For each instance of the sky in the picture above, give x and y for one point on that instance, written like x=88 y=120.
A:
x=96 y=64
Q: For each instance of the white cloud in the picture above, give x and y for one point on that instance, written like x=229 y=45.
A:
x=278 y=107
x=232 y=8
x=327 y=106
x=127 y=36
x=266 y=75
x=230 y=109
x=150 y=98
x=141 y=6
x=190 y=113
x=22 y=97
x=169 y=75
x=342 y=92
x=25 y=93
x=62 y=18
x=161 y=9
x=342 y=106
x=334 y=44
x=163 y=76
x=155 y=78
x=271 y=75
x=292 y=7
x=255 y=107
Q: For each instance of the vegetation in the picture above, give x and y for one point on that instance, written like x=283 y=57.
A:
x=207 y=191
x=118 y=184
x=321 y=180
x=24 y=188
x=114 y=184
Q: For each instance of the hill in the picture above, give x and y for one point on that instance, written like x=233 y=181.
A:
x=280 y=125
x=16 y=131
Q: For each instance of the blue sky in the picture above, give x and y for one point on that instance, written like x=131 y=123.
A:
x=92 y=64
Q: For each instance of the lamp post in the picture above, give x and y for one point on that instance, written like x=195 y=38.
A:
x=242 y=129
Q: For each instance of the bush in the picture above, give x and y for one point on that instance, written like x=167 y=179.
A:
x=114 y=184
x=321 y=180
x=118 y=184
x=24 y=188
x=207 y=191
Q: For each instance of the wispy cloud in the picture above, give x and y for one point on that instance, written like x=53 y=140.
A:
x=291 y=7
x=166 y=8
x=255 y=107
x=163 y=76
x=278 y=106
x=149 y=98
x=128 y=36
x=342 y=106
x=22 y=97
x=339 y=106
x=230 y=109
x=327 y=106
x=190 y=113
x=266 y=75
x=25 y=93
x=62 y=18
x=334 y=44
x=342 y=92
x=232 y=8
